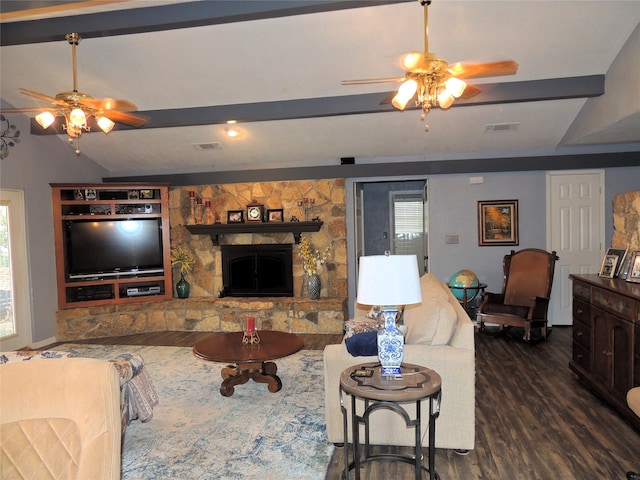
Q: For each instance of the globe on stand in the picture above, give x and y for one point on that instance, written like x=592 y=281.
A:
x=461 y=280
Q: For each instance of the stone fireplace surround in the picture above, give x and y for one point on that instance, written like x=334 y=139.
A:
x=204 y=311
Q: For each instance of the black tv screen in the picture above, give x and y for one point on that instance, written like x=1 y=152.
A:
x=113 y=246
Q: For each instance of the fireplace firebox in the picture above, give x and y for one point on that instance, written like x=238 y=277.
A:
x=263 y=270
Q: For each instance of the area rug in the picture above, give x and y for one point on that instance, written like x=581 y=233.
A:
x=197 y=434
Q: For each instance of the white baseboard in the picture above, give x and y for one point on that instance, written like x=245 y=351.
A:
x=44 y=343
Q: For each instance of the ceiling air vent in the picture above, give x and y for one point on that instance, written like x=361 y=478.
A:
x=207 y=146
x=502 y=127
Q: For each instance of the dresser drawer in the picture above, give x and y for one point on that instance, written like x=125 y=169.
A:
x=581 y=356
x=582 y=311
x=582 y=334
x=581 y=290
x=621 y=306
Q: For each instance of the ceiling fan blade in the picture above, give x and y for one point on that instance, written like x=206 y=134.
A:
x=480 y=70
x=470 y=91
x=126 y=118
x=109 y=104
x=26 y=110
x=368 y=81
x=42 y=96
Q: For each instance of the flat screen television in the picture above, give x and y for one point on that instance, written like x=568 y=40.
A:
x=103 y=248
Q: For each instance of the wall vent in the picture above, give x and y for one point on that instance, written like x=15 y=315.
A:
x=207 y=146
x=502 y=127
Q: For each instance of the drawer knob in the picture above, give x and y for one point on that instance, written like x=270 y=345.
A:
x=579 y=311
x=579 y=334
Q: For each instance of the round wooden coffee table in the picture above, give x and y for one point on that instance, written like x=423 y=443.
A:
x=248 y=361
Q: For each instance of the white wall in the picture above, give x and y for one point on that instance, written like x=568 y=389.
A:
x=31 y=165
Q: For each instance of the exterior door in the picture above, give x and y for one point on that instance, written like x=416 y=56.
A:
x=15 y=314
x=575 y=230
x=408 y=232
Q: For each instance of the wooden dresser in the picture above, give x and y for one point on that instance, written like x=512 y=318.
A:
x=606 y=338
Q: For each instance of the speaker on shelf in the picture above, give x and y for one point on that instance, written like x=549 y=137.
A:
x=347 y=160
x=148 y=208
x=113 y=194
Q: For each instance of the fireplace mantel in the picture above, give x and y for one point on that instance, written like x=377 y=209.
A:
x=214 y=231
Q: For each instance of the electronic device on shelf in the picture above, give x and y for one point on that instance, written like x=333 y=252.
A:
x=103 y=248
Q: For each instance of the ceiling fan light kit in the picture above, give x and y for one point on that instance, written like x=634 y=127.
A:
x=432 y=82
x=77 y=107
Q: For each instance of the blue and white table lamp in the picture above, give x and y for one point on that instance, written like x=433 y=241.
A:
x=389 y=281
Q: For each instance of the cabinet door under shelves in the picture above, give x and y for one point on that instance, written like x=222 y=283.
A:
x=112 y=243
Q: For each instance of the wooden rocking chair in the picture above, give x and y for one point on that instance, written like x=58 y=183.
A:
x=526 y=289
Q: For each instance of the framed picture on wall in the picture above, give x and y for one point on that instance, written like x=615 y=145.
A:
x=634 y=268
x=621 y=253
x=497 y=222
x=608 y=267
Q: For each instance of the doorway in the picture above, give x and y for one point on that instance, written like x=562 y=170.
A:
x=386 y=215
x=15 y=313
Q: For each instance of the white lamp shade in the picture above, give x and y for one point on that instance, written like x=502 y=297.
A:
x=389 y=280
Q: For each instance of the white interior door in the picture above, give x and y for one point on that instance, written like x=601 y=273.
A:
x=575 y=230
x=15 y=312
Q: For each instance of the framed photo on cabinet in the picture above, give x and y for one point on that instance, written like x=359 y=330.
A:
x=621 y=253
x=608 y=267
x=634 y=268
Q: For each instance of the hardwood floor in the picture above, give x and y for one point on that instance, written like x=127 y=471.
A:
x=534 y=421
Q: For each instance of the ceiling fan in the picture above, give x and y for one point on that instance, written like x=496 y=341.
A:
x=77 y=107
x=432 y=81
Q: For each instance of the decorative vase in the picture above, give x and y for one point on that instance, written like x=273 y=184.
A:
x=390 y=346
x=183 y=287
x=314 y=286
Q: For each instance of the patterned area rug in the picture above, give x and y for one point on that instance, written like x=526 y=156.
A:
x=197 y=434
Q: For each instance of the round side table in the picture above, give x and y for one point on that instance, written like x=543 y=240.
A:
x=364 y=381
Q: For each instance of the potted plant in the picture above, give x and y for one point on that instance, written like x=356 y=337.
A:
x=181 y=257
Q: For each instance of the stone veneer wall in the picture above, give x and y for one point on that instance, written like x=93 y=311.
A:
x=626 y=221
x=203 y=310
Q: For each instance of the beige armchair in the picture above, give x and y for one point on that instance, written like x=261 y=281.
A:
x=60 y=419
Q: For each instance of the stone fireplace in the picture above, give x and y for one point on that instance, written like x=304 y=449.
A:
x=206 y=309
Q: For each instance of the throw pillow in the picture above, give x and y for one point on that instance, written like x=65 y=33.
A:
x=432 y=322
x=363 y=344
x=359 y=325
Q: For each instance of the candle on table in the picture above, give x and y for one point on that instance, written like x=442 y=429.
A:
x=199 y=201
x=192 y=194
x=251 y=324
x=207 y=203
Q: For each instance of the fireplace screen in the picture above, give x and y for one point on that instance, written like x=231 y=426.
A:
x=257 y=270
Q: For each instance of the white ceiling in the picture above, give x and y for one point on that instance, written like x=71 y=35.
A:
x=306 y=56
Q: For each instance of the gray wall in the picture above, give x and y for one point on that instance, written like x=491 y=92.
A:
x=35 y=163
x=453 y=211
x=31 y=166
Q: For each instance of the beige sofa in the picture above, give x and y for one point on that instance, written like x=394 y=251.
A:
x=441 y=337
x=60 y=419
